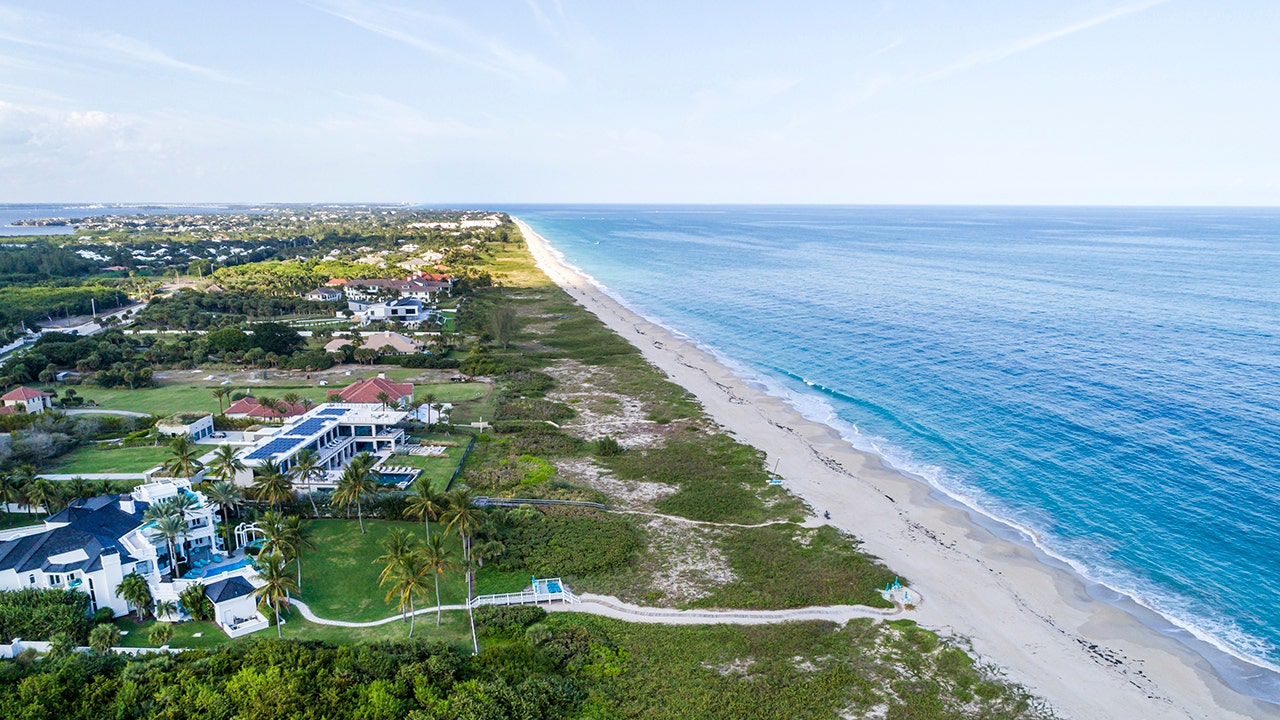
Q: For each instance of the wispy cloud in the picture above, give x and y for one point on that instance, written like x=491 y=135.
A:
x=992 y=55
x=18 y=27
x=446 y=38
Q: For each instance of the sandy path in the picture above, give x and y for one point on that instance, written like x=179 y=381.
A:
x=1087 y=658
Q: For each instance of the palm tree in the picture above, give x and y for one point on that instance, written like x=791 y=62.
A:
x=298 y=540
x=184 y=462
x=440 y=560
x=227 y=496
x=277 y=585
x=429 y=400
x=408 y=575
x=292 y=398
x=384 y=397
x=464 y=517
x=220 y=393
x=10 y=490
x=165 y=608
x=354 y=486
x=274 y=540
x=424 y=504
x=306 y=467
x=172 y=528
x=270 y=485
x=41 y=492
x=225 y=464
x=79 y=488
x=25 y=476
x=137 y=592
x=395 y=545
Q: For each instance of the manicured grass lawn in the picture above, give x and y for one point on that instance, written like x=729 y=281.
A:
x=436 y=469
x=11 y=520
x=455 y=630
x=451 y=392
x=197 y=397
x=183 y=634
x=90 y=459
x=162 y=401
x=340 y=577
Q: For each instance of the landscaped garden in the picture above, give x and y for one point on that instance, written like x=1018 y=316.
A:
x=436 y=469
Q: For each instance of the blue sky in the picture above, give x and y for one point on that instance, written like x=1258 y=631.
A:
x=1004 y=101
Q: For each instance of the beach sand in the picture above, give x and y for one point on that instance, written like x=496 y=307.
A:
x=1087 y=658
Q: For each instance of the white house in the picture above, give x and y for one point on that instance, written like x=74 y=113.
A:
x=406 y=310
x=196 y=426
x=25 y=400
x=336 y=432
x=93 y=544
x=324 y=294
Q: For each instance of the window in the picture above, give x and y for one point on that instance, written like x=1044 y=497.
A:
x=32 y=579
x=55 y=579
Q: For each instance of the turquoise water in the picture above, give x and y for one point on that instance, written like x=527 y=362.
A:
x=1107 y=381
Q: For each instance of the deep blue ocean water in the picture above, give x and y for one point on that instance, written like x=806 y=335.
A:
x=1105 y=380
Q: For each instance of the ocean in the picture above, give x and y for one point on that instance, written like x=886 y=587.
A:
x=1103 y=383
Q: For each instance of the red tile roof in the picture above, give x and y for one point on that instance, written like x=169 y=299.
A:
x=252 y=408
x=24 y=394
x=367 y=391
x=336 y=281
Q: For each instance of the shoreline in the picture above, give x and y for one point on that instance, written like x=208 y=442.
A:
x=1043 y=625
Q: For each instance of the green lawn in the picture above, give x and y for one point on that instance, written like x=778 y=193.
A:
x=91 y=459
x=455 y=630
x=183 y=634
x=340 y=577
x=198 y=397
x=436 y=469
x=451 y=392
x=11 y=520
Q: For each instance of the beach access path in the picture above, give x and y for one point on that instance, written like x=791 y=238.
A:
x=1038 y=622
x=608 y=606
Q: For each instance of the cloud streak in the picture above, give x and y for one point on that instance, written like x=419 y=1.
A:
x=993 y=55
x=35 y=31
x=469 y=48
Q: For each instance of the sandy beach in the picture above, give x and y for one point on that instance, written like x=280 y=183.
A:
x=1087 y=658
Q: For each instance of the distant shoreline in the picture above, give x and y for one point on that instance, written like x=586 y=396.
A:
x=1087 y=657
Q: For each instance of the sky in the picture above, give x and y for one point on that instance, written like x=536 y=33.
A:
x=1092 y=102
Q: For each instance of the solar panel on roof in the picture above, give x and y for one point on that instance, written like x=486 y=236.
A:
x=274 y=447
x=309 y=427
x=333 y=411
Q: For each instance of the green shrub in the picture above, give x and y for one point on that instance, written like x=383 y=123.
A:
x=508 y=621
x=36 y=614
x=608 y=447
x=574 y=543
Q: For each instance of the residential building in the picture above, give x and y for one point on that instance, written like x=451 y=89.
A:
x=93 y=544
x=383 y=342
x=409 y=311
x=196 y=426
x=324 y=294
x=25 y=400
x=367 y=391
x=336 y=432
x=249 y=407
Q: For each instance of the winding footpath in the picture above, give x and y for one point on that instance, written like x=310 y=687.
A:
x=612 y=607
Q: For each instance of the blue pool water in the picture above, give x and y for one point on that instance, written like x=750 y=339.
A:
x=1106 y=380
x=210 y=573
